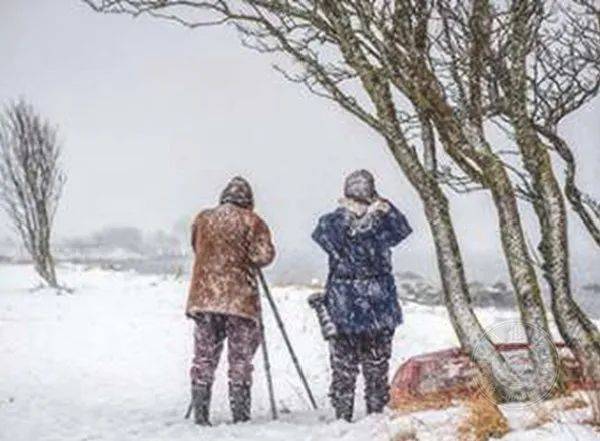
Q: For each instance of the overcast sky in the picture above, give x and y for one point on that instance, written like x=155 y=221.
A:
x=156 y=118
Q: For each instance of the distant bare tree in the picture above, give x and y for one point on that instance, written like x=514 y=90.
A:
x=31 y=181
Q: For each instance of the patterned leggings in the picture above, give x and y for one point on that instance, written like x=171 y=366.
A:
x=243 y=339
x=372 y=353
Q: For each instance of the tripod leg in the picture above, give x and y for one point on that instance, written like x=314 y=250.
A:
x=287 y=340
x=267 y=364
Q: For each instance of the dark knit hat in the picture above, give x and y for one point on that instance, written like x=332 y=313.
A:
x=360 y=186
x=238 y=192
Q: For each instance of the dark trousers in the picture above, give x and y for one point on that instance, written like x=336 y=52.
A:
x=371 y=352
x=243 y=339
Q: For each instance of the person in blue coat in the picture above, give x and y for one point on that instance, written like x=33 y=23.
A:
x=360 y=294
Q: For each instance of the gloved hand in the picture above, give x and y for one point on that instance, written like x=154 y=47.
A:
x=380 y=205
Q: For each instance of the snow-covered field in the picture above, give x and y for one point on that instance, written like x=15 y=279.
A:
x=109 y=362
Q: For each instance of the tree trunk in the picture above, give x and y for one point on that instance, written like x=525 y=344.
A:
x=576 y=329
x=470 y=150
x=490 y=172
x=473 y=338
x=578 y=332
x=524 y=279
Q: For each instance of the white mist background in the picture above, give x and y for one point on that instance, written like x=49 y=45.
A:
x=156 y=118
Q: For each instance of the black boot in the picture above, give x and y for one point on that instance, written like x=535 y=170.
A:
x=240 y=401
x=201 y=403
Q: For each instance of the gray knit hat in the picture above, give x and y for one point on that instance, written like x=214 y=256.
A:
x=360 y=186
x=238 y=192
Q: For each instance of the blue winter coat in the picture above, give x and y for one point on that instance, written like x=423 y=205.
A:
x=361 y=293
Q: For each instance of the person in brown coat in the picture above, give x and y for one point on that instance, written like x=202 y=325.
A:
x=230 y=243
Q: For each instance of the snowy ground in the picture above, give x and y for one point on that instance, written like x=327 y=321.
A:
x=109 y=362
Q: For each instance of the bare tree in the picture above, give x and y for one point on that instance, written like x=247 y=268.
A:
x=445 y=78
x=540 y=63
x=31 y=181
x=554 y=70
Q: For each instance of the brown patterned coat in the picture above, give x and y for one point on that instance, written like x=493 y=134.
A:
x=229 y=243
